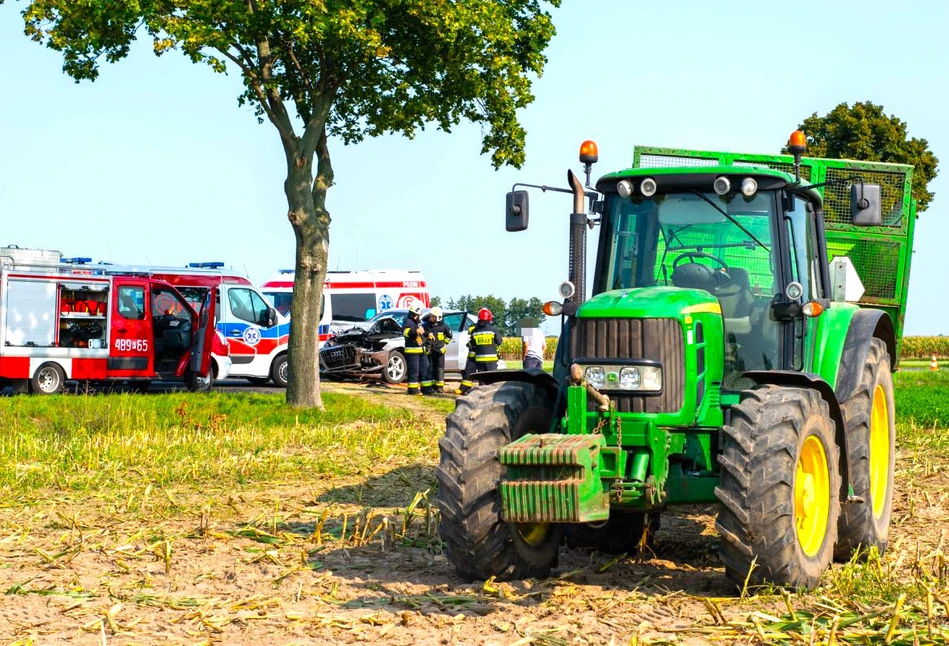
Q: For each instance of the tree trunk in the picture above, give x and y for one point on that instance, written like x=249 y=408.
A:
x=310 y=222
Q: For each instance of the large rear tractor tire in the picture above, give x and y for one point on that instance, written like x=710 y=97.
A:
x=780 y=488
x=625 y=532
x=869 y=417
x=478 y=542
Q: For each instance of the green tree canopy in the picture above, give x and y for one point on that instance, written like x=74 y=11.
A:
x=317 y=69
x=507 y=316
x=866 y=133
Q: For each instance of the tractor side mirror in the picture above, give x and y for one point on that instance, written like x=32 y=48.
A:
x=517 y=210
x=865 y=208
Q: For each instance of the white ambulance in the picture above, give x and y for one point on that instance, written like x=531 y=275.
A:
x=353 y=296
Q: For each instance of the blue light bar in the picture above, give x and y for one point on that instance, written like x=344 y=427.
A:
x=206 y=265
x=78 y=260
x=285 y=271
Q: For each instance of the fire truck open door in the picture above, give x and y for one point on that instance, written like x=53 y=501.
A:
x=201 y=350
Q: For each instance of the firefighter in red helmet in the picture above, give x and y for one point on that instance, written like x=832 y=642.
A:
x=483 y=346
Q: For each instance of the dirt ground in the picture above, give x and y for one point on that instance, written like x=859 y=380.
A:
x=331 y=561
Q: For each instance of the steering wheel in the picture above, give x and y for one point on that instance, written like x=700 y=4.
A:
x=696 y=275
x=692 y=255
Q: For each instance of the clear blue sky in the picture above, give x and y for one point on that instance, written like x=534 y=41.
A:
x=155 y=161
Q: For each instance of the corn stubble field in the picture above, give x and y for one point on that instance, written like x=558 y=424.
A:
x=181 y=519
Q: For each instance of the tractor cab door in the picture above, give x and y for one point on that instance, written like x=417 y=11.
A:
x=200 y=363
x=805 y=268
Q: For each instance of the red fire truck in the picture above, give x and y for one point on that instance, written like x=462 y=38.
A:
x=60 y=322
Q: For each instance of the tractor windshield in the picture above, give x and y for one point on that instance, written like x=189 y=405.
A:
x=683 y=240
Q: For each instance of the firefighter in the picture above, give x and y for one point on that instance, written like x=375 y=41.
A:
x=425 y=361
x=440 y=338
x=484 y=343
x=470 y=366
x=413 y=332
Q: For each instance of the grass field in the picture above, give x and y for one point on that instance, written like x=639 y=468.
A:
x=186 y=519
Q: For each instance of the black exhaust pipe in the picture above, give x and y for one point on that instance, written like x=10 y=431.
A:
x=578 y=241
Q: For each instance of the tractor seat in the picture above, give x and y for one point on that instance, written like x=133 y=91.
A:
x=737 y=301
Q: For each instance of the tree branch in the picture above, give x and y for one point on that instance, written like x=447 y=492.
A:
x=273 y=95
x=286 y=134
x=324 y=171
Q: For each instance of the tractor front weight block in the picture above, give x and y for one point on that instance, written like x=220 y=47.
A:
x=553 y=478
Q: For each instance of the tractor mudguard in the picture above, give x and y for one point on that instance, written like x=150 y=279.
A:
x=543 y=380
x=865 y=325
x=814 y=382
x=536 y=377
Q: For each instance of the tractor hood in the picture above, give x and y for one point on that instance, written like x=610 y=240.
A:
x=649 y=302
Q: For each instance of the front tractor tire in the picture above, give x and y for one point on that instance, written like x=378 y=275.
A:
x=478 y=542
x=869 y=417
x=780 y=488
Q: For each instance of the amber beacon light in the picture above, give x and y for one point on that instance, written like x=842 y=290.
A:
x=588 y=152
x=797 y=144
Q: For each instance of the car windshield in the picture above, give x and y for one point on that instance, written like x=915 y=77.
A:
x=651 y=238
x=398 y=315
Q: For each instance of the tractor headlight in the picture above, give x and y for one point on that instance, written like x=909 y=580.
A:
x=642 y=378
x=652 y=378
x=630 y=378
x=595 y=376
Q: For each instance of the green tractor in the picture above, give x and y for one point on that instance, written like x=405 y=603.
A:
x=729 y=353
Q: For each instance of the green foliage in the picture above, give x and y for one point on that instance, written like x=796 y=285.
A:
x=507 y=316
x=360 y=67
x=866 y=133
x=924 y=347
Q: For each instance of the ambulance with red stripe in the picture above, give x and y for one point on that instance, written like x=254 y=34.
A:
x=353 y=296
x=62 y=321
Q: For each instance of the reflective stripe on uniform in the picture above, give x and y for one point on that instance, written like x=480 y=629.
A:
x=410 y=350
x=467 y=384
x=486 y=358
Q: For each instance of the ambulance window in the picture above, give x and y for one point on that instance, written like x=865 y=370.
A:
x=132 y=303
x=352 y=307
x=247 y=305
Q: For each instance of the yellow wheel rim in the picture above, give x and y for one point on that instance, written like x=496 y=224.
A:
x=811 y=495
x=533 y=533
x=879 y=451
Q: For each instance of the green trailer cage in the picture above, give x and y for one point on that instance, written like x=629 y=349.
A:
x=881 y=255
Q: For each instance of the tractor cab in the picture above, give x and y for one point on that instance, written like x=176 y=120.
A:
x=748 y=237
